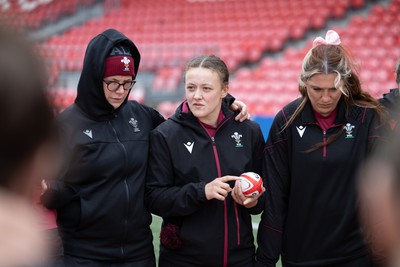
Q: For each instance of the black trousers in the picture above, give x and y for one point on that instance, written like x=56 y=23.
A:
x=71 y=261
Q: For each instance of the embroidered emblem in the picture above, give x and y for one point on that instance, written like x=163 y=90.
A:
x=301 y=129
x=189 y=146
x=349 y=130
x=237 y=138
x=134 y=124
x=88 y=133
x=126 y=61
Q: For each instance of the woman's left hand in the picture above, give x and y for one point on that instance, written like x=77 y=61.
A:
x=242 y=107
x=248 y=202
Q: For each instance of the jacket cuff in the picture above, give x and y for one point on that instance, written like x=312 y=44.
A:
x=202 y=191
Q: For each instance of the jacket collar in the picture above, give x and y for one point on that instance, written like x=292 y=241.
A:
x=184 y=115
x=307 y=115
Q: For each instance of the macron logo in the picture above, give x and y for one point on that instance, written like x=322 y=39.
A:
x=189 y=146
x=300 y=130
x=88 y=133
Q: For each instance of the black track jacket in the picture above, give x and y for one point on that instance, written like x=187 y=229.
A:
x=391 y=101
x=311 y=216
x=183 y=159
x=100 y=197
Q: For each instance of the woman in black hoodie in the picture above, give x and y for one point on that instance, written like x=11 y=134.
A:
x=195 y=158
x=99 y=197
x=313 y=151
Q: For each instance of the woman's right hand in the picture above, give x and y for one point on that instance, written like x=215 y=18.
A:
x=241 y=199
x=219 y=188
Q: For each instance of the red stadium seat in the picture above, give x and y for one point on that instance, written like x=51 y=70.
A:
x=170 y=32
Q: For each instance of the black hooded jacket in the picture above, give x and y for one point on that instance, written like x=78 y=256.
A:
x=391 y=102
x=183 y=159
x=100 y=195
x=311 y=214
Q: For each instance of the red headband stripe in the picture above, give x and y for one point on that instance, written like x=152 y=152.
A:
x=119 y=65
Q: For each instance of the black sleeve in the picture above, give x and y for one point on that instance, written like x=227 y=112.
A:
x=156 y=118
x=276 y=171
x=163 y=197
x=57 y=195
x=258 y=149
x=378 y=132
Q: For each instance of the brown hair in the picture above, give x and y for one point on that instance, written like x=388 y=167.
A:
x=211 y=62
x=26 y=117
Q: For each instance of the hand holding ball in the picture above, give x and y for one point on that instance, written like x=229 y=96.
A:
x=252 y=184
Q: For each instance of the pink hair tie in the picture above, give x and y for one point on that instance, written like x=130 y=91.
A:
x=331 y=38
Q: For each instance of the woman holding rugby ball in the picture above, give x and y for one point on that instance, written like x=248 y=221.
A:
x=195 y=158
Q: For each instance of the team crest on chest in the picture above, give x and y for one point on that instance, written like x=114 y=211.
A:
x=237 y=137
x=349 y=130
x=134 y=124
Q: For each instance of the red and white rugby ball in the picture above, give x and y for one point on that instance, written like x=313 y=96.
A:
x=251 y=184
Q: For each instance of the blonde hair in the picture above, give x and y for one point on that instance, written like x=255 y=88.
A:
x=328 y=59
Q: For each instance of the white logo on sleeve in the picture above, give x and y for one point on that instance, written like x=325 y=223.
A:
x=189 y=146
x=88 y=133
x=301 y=129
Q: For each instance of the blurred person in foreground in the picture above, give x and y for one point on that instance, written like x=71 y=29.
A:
x=379 y=194
x=195 y=159
x=314 y=149
x=379 y=188
x=27 y=151
x=99 y=197
x=391 y=100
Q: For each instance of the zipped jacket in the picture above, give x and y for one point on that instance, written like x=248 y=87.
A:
x=99 y=197
x=311 y=218
x=183 y=159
